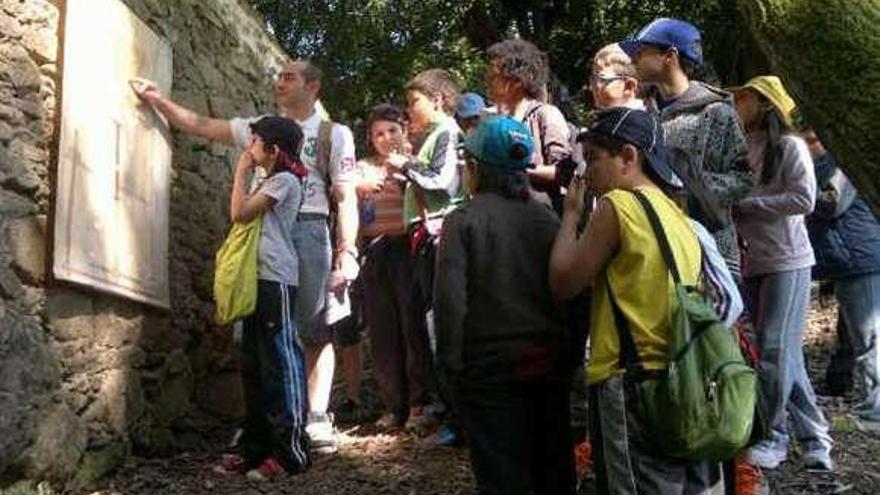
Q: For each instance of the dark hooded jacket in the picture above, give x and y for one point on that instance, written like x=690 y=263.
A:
x=709 y=153
x=843 y=229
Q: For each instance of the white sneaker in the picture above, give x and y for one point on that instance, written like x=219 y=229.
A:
x=818 y=460
x=321 y=433
x=765 y=457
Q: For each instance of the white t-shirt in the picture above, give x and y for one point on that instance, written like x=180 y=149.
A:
x=342 y=162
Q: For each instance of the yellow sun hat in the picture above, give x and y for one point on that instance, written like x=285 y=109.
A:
x=771 y=87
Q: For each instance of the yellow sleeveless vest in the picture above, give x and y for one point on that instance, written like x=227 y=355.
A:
x=641 y=283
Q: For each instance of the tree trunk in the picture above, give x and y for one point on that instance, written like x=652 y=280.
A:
x=828 y=54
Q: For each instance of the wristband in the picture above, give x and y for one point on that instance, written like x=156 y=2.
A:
x=350 y=250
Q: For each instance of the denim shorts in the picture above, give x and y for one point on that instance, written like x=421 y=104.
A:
x=311 y=237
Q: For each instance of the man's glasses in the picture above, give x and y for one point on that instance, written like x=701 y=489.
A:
x=597 y=80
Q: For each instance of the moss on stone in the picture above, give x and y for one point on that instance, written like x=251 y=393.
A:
x=96 y=464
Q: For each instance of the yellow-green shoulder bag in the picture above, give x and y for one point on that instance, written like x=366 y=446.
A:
x=235 y=272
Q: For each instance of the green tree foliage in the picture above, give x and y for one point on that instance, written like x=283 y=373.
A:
x=370 y=48
x=828 y=53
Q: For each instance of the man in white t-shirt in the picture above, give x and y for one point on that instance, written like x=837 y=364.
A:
x=296 y=94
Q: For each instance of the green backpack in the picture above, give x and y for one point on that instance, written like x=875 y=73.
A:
x=702 y=406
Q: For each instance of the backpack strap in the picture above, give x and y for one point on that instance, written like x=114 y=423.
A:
x=628 y=358
x=662 y=240
x=324 y=150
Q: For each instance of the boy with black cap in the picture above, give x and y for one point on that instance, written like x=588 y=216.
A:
x=500 y=343
x=274 y=439
x=619 y=256
x=708 y=149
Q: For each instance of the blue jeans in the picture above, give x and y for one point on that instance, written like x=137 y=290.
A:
x=311 y=238
x=778 y=302
x=859 y=305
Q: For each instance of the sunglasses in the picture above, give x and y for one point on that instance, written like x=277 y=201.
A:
x=596 y=80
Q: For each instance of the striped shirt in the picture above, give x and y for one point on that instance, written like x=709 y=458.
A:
x=381 y=213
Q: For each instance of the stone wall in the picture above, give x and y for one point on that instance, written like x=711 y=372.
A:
x=87 y=378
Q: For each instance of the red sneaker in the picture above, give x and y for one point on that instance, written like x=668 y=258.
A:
x=583 y=459
x=748 y=478
x=269 y=469
x=230 y=464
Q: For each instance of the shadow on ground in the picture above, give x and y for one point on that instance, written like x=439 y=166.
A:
x=373 y=462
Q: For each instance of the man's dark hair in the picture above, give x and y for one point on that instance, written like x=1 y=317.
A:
x=507 y=184
x=523 y=61
x=310 y=72
x=687 y=66
x=437 y=81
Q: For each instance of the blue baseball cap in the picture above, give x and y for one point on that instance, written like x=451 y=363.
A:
x=681 y=35
x=502 y=142
x=640 y=129
x=469 y=105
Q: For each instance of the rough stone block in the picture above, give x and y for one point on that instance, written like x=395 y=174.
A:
x=38 y=12
x=42 y=44
x=14 y=205
x=8 y=113
x=70 y=314
x=21 y=70
x=5 y=132
x=27 y=242
x=16 y=173
x=118 y=404
x=116 y=331
x=9 y=27
x=10 y=284
x=97 y=463
x=28 y=375
x=60 y=440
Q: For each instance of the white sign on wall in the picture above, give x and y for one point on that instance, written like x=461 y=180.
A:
x=111 y=211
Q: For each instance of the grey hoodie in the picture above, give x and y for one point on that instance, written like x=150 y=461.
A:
x=708 y=151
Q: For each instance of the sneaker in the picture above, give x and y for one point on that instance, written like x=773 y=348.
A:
x=269 y=469
x=817 y=460
x=419 y=421
x=446 y=436
x=765 y=457
x=748 y=478
x=230 y=464
x=583 y=461
x=321 y=433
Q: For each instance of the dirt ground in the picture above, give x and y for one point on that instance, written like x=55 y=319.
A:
x=373 y=462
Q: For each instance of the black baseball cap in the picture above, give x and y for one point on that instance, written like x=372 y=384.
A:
x=281 y=132
x=640 y=129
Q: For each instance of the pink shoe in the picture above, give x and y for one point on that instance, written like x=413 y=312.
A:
x=269 y=469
